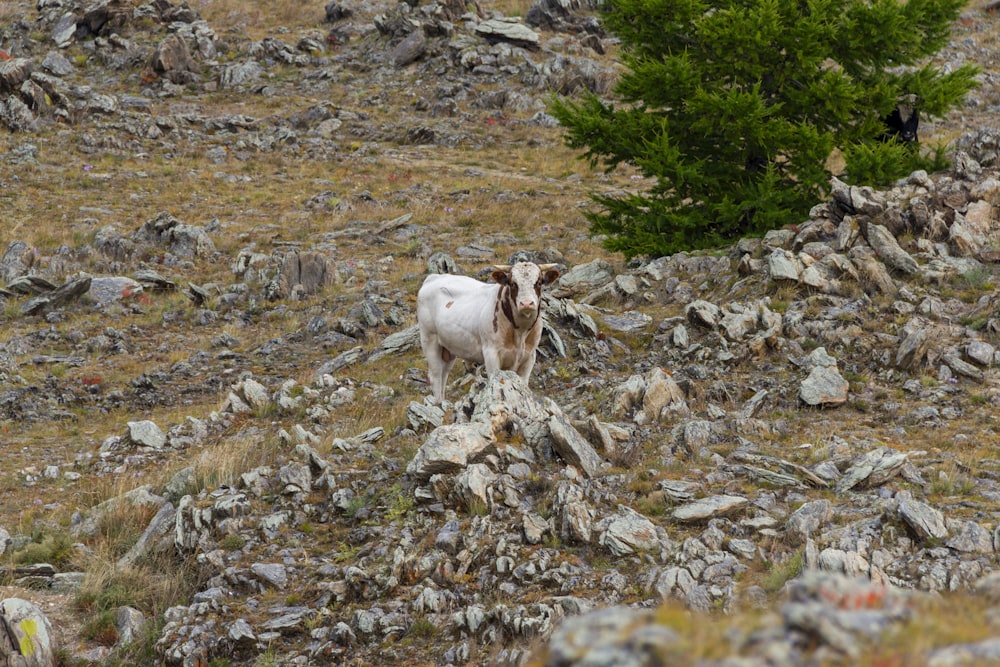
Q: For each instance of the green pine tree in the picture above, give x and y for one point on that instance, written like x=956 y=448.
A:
x=734 y=108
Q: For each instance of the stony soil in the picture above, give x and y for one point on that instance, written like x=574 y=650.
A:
x=261 y=206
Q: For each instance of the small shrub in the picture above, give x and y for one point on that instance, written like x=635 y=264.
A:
x=55 y=549
x=782 y=573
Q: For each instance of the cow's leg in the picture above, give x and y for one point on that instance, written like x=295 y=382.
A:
x=491 y=360
x=524 y=368
x=437 y=365
x=447 y=361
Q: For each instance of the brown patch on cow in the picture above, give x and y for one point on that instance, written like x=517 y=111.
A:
x=446 y=355
x=449 y=304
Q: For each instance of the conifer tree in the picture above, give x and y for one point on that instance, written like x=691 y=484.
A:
x=735 y=106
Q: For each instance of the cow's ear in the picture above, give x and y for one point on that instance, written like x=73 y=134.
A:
x=500 y=276
x=550 y=276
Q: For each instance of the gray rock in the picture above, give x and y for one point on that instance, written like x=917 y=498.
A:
x=29 y=640
x=808 y=519
x=583 y=278
x=711 y=507
x=872 y=469
x=573 y=447
x=130 y=624
x=146 y=434
x=237 y=75
x=824 y=387
x=241 y=632
x=628 y=532
x=926 y=522
x=172 y=58
x=969 y=537
x=612 y=636
x=64 y=30
x=451 y=447
x=980 y=352
x=888 y=250
x=57 y=64
x=985 y=652
x=784 y=265
x=108 y=290
x=411 y=49
x=273 y=574
x=702 y=313
x=157 y=533
x=423 y=417
x=305 y=274
x=508 y=30
x=396 y=343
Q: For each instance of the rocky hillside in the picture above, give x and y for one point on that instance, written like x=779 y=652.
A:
x=213 y=407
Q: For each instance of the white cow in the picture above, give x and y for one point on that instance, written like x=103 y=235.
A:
x=496 y=324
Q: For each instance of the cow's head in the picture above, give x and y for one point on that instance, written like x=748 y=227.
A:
x=524 y=281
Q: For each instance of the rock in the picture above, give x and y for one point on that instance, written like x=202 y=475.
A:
x=158 y=531
x=410 y=49
x=304 y=274
x=473 y=486
x=572 y=447
x=508 y=30
x=583 y=278
x=423 y=417
x=703 y=313
x=711 y=507
x=64 y=30
x=272 y=574
x=915 y=346
x=28 y=640
x=451 y=447
x=130 y=624
x=924 y=520
x=57 y=64
x=108 y=290
x=661 y=395
x=982 y=652
x=824 y=387
x=980 y=352
x=58 y=297
x=888 y=250
x=808 y=519
x=612 y=636
x=872 y=469
x=237 y=75
x=181 y=239
x=968 y=537
x=534 y=527
x=13 y=73
x=628 y=532
x=146 y=434
x=173 y=59
x=872 y=273
x=395 y=343
x=783 y=265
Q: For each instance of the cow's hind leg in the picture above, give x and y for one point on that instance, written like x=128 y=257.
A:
x=439 y=363
x=447 y=361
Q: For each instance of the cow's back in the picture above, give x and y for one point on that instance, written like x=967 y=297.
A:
x=456 y=308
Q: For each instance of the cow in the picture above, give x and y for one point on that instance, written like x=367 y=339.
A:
x=901 y=124
x=496 y=324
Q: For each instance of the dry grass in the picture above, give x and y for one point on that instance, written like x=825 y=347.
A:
x=509 y=186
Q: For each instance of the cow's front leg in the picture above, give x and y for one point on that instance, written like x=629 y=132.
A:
x=491 y=360
x=524 y=368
